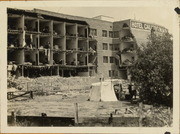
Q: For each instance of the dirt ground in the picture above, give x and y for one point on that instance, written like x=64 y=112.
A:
x=62 y=104
x=56 y=96
x=55 y=101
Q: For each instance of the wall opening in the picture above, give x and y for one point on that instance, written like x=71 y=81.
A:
x=15 y=40
x=58 y=28
x=45 y=26
x=31 y=25
x=82 y=31
x=71 y=29
x=59 y=57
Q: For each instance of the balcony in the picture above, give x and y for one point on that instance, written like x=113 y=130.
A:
x=127 y=39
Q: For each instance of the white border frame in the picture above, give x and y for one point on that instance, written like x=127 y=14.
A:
x=133 y=3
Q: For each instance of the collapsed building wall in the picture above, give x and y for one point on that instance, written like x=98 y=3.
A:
x=65 y=45
x=48 y=45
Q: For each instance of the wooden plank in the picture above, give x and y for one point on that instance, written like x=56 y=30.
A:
x=76 y=113
x=16 y=96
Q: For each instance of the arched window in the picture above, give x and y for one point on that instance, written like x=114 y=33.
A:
x=125 y=25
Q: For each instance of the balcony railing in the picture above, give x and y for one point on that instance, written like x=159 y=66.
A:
x=128 y=50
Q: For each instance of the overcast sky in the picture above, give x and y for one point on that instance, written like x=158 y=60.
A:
x=158 y=15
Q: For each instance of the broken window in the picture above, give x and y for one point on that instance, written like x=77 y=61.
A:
x=105 y=59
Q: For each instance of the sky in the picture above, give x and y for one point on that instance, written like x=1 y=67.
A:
x=157 y=15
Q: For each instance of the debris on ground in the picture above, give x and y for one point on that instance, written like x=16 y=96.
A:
x=56 y=95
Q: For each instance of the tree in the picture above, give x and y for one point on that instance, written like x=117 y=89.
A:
x=153 y=71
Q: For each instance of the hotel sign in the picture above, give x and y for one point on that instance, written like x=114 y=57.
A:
x=146 y=26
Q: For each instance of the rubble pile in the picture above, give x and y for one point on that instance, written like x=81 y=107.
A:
x=153 y=116
x=158 y=116
x=54 y=83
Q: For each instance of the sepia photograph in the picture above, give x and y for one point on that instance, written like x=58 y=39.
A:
x=90 y=66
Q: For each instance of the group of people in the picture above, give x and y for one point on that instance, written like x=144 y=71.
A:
x=132 y=92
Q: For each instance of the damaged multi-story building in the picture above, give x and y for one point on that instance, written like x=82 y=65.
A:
x=44 y=43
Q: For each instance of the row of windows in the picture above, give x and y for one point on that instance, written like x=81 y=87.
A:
x=112 y=34
x=111 y=60
x=111 y=46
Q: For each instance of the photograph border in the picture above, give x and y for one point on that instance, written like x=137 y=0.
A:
x=133 y=3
